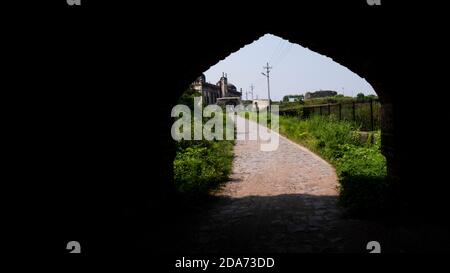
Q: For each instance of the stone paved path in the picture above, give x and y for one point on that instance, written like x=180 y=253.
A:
x=284 y=201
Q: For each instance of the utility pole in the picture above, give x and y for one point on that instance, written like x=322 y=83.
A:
x=267 y=74
x=246 y=95
x=251 y=88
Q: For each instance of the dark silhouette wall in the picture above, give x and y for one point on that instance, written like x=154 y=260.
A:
x=106 y=102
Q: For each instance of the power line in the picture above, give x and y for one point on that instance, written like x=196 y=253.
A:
x=277 y=53
x=282 y=49
x=277 y=49
x=283 y=54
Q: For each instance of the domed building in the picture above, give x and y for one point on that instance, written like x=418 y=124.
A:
x=212 y=92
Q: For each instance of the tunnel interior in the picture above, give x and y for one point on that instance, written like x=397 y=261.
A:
x=116 y=113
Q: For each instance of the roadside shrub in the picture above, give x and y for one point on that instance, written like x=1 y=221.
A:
x=201 y=166
x=330 y=134
x=362 y=176
x=364 y=196
x=360 y=161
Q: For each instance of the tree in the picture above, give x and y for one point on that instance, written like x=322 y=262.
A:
x=360 y=97
x=187 y=98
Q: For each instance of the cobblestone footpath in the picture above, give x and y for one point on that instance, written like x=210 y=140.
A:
x=284 y=201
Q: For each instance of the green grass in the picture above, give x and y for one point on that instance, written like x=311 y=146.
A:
x=361 y=168
x=201 y=166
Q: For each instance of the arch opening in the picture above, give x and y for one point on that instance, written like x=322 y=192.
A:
x=225 y=93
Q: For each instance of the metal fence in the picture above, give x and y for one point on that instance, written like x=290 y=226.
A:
x=366 y=114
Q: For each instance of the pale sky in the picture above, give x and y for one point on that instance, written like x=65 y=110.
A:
x=296 y=70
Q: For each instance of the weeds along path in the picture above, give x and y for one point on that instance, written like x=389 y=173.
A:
x=284 y=201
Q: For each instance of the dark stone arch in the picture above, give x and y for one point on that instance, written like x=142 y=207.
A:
x=110 y=98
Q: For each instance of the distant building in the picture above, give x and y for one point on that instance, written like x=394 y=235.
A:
x=261 y=104
x=229 y=101
x=212 y=92
x=320 y=94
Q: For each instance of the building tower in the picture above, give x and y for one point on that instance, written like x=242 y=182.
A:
x=223 y=85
